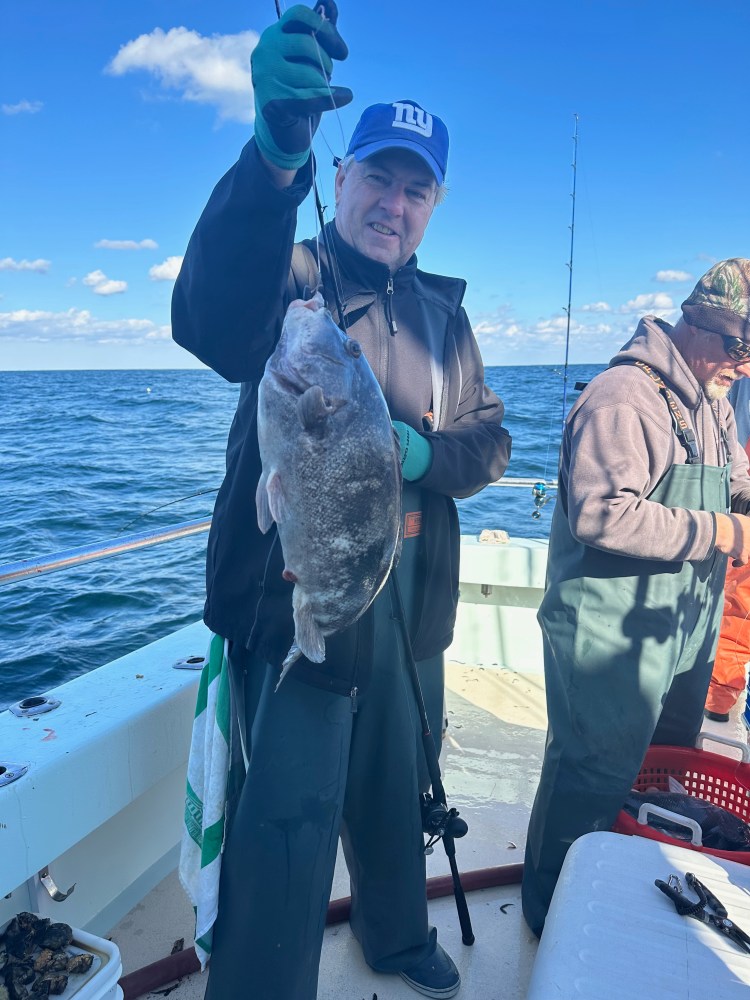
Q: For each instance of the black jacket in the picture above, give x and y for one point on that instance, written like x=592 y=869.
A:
x=227 y=309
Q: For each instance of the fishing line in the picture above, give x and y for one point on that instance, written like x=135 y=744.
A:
x=263 y=583
x=319 y=207
x=315 y=209
x=145 y=513
x=549 y=439
x=338 y=288
x=336 y=110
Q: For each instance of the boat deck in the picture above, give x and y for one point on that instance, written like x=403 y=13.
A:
x=491 y=761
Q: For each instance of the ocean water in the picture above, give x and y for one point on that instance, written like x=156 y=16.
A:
x=85 y=456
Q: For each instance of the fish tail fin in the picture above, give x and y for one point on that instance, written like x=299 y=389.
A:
x=291 y=658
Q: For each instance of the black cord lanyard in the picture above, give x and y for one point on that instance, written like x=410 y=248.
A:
x=682 y=429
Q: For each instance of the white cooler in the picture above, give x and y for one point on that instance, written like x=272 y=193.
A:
x=612 y=935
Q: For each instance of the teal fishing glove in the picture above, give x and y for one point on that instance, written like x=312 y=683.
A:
x=416 y=451
x=291 y=67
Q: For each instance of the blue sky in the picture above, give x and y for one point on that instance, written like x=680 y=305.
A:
x=116 y=120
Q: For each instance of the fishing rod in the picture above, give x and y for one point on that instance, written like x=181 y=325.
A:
x=539 y=490
x=570 y=270
x=438 y=821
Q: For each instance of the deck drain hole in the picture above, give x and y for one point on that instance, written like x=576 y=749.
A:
x=190 y=663
x=30 y=707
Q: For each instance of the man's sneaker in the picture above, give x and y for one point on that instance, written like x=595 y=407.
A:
x=435 y=976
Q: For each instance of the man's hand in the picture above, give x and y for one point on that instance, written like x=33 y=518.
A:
x=733 y=537
x=291 y=68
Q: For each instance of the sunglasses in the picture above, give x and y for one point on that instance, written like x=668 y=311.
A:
x=736 y=349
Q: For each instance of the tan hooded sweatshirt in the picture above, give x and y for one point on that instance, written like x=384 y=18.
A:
x=619 y=442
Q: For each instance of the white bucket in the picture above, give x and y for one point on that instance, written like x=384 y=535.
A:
x=100 y=982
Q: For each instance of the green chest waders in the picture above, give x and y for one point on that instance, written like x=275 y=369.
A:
x=628 y=649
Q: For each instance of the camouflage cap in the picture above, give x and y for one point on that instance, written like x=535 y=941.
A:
x=720 y=302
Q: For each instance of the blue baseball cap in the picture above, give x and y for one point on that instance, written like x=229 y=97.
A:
x=402 y=125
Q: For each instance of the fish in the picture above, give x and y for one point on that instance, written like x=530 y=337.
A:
x=331 y=475
x=721 y=829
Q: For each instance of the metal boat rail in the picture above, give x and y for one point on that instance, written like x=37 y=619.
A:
x=32 y=568
x=13 y=572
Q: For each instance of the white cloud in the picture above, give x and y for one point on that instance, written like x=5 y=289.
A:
x=651 y=302
x=673 y=276
x=214 y=71
x=167 y=270
x=103 y=285
x=597 y=307
x=126 y=244
x=94 y=278
x=22 y=108
x=111 y=287
x=505 y=338
x=40 y=266
x=501 y=328
x=78 y=325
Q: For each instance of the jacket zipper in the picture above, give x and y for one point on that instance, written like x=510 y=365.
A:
x=389 y=306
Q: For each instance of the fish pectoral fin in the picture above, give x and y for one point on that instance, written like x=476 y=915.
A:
x=265 y=517
x=312 y=408
x=307 y=633
x=276 y=500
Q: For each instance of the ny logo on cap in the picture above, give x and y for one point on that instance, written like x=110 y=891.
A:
x=413 y=118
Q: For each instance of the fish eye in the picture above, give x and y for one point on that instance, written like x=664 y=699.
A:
x=353 y=348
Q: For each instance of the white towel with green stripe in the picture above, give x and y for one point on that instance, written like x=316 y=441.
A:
x=206 y=797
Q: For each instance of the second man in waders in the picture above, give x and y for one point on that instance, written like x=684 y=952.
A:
x=654 y=493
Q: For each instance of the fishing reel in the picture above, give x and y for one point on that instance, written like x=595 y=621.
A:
x=440 y=821
x=541 y=497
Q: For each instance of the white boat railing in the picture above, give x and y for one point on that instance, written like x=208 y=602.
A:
x=551 y=484
x=13 y=572
x=32 y=568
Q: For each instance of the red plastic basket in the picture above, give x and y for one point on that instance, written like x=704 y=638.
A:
x=708 y=776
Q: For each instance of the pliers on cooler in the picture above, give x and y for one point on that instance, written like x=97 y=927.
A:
x=700 y=910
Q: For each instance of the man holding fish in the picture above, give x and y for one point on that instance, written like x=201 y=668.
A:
x=336 y=749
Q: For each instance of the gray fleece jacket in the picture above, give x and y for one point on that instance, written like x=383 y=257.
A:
x=619 y=442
